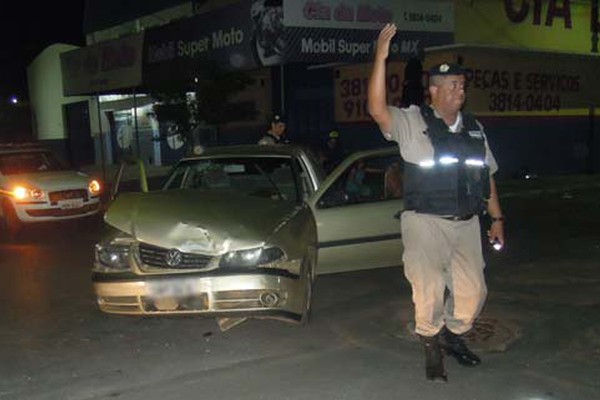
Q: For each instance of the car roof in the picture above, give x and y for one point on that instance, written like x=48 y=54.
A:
x=288 y=150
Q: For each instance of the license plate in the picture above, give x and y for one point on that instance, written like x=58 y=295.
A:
x=69 y=204
x=173 y=288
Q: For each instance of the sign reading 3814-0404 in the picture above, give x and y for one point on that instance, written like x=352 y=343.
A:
x=518 y=90
x=503 y=81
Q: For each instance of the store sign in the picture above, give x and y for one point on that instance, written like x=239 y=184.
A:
x=425 y=16
x=346 y=31
x=351 y=84
x=251 y=34
x=503 y=82
x=555 y=25
x=108 y=66
x=243 y=36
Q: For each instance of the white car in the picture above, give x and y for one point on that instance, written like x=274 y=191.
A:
x=36 y=187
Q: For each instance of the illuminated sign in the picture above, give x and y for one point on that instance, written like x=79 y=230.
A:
x=512 y=82
x=555 y=25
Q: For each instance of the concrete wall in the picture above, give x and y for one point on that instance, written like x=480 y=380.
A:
x=44 y=78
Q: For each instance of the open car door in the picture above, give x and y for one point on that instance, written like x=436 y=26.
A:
x=357 y=210
x=130 y=177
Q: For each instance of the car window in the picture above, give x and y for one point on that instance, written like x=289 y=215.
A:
x=367 y=180
x=270 y=177
x=29 y=162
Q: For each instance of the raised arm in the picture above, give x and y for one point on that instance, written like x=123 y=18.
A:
x=377 y=94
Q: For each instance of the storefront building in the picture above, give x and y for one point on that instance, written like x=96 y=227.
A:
x=533 y=69
x=530 y=67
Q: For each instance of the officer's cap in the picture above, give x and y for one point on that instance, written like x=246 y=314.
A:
x=277 y=118
x=446 y=69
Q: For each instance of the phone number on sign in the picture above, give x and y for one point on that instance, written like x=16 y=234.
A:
x=524 y=102
x=360 y=86
x=352 y=93
x=358 y=108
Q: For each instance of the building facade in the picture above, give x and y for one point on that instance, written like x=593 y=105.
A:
x=530 y=69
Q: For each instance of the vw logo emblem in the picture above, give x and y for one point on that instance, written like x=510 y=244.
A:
x=173 y=258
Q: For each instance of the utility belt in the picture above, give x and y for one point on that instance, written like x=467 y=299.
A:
x=465 y=217
x=458 y=217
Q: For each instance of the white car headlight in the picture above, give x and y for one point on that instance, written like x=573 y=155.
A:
x=113 y=255
x=24 y=193
x=94 y=187
x=251 y=258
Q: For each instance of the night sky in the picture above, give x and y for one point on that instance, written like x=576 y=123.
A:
x=26 y=28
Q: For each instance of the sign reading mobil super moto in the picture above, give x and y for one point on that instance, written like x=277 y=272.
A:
x=239 y=36
x=347 y=30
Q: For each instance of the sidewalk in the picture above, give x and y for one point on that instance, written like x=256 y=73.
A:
x=552 y=184
x=130 y=173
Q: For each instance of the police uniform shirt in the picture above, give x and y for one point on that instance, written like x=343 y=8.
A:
x=269 y=139
x=408 y=129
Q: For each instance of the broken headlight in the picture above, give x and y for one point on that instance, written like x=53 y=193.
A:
x=252 y=257
x=113 y=255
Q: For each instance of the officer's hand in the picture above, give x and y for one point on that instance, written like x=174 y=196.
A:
x=383 y=42
x=496 y=232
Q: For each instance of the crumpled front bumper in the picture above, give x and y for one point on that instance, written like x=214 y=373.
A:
x=273 y=293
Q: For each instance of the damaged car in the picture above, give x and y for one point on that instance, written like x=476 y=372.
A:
x=243 y=231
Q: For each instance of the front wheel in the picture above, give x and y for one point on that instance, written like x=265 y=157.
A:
x=308 y=281
x=12 y=226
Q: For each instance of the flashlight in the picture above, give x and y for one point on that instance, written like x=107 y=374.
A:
x=496 y=244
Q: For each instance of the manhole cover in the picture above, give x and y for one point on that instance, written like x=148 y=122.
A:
x=488 y=334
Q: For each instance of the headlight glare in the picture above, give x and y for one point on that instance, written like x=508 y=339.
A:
x=252 y=257
x=94 y=187
x=26 y=193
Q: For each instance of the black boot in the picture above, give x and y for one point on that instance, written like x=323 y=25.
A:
x=455 y=346
x=434 y=363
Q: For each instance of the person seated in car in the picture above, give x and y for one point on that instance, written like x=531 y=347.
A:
x=355 y=184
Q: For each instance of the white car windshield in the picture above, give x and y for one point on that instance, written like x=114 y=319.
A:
x=270 y=177
x=29 y=162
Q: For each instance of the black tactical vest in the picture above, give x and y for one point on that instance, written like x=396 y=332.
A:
x=456 y=182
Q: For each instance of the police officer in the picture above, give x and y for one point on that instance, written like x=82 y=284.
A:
x=276 y=131
x=447 y=182
x=333 y=151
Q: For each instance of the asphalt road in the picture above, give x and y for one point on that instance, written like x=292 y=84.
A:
x=539 y=334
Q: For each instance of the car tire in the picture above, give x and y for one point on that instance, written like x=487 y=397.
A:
x=308 y=280
x=12 y=226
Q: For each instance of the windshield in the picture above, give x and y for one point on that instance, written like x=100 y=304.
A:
x=270 y=177
x=29 y=162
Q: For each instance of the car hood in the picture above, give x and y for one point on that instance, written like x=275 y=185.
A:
x=197 y=221
x=53 y=180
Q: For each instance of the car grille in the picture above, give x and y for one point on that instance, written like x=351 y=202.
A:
x=68 y=194
x=56 y=212
x=157 y=257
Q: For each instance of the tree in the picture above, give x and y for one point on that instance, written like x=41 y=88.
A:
x=209 y=103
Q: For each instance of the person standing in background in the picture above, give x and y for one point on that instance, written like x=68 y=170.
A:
x=276 y=131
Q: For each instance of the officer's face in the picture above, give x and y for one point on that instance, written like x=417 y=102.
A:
x=448 y=92
x=278 y=128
